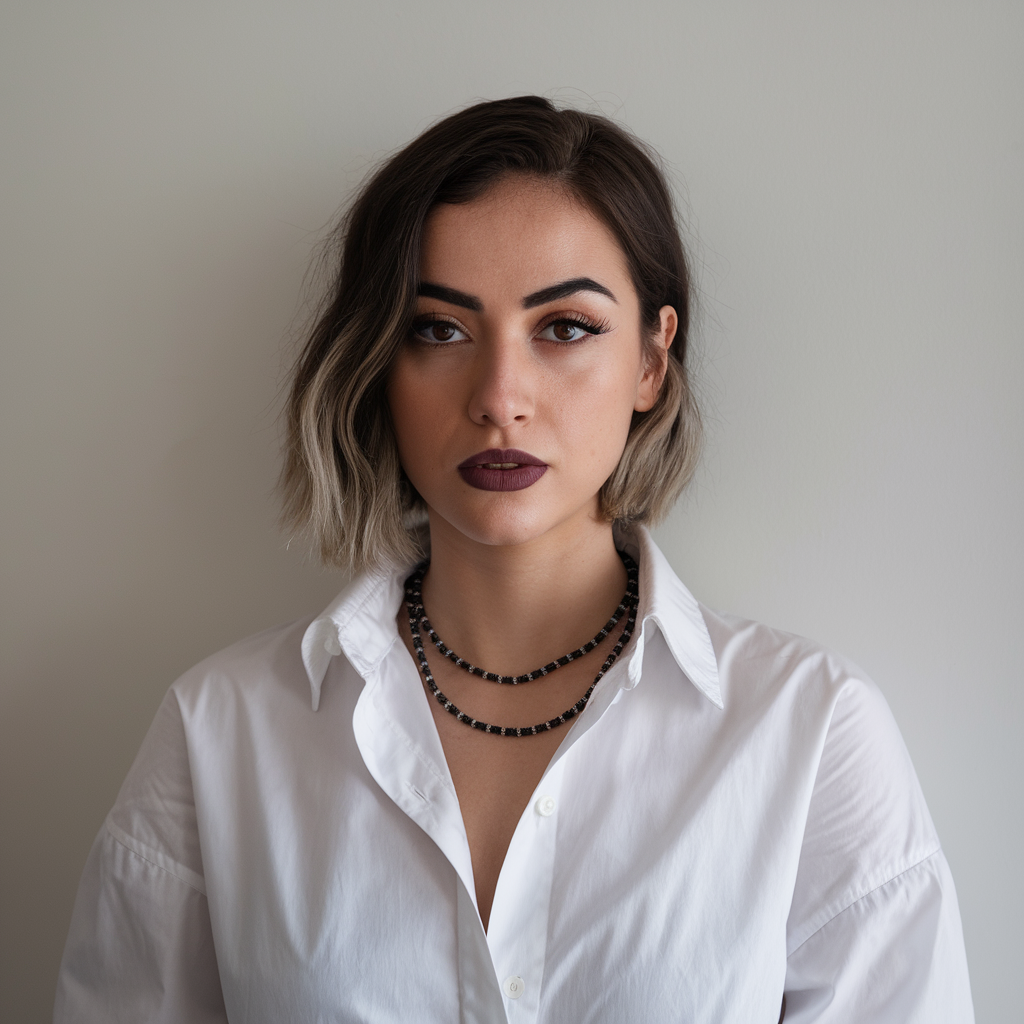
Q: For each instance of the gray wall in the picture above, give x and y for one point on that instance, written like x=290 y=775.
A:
x=853 y=180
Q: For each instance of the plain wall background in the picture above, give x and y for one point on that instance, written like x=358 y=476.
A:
x=852 y=177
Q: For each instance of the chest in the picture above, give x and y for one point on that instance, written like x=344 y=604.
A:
x=495 y=776
x=610 y=897
x=637 y=882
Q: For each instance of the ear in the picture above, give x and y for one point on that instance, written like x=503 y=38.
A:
x=656 y=360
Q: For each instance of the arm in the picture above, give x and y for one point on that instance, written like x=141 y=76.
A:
x=140 y=946
x=874 y=929
x=894 y=956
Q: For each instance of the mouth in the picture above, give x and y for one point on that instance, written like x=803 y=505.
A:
x=502 y=469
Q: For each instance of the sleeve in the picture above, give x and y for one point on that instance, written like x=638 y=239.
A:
x=895 y=956
x=874 y=934
x=140 y=946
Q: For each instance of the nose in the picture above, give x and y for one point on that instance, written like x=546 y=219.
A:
x=502 y=392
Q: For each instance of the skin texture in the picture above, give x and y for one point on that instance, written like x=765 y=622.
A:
x=518 y=578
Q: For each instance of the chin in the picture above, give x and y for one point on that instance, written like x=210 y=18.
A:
x=505 y=526
x=499 y=531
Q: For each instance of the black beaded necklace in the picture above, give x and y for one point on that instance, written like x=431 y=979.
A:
x=418 y=618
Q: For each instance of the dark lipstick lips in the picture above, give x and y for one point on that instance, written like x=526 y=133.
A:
x=478 y=470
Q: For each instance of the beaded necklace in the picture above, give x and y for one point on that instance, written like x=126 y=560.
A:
x=418 y=618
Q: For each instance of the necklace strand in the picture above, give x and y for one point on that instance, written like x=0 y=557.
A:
x=416 y=615
x=414 y=600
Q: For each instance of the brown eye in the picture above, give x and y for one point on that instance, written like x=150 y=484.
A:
x=569 y=331
x=437 y=332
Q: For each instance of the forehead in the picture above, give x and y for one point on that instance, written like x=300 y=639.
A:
x=518 y=237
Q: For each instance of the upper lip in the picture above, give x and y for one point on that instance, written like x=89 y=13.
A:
x=502 y=455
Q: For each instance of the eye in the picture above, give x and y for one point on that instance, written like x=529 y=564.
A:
x=570 y=330
x=437 y=332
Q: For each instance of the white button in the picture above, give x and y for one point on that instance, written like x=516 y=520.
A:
x=513 y=987
x=332 y=647
x=546 y=806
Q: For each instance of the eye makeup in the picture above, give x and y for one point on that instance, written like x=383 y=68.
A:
x=576 y=322
x=435 y=329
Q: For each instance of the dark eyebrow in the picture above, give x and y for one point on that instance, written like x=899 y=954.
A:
x=551 y=294
x=560 y=291
x=452 y=295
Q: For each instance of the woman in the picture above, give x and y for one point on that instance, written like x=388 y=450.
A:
x=515 y=771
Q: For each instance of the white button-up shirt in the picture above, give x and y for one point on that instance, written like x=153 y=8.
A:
x=733 y=817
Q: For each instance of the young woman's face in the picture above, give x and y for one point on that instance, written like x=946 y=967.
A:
x=513 y=395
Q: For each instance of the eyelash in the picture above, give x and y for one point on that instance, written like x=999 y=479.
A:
x=592 y=327
x=585 y=323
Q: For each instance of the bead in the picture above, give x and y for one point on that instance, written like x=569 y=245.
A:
x=413 y=589
x=418 y=617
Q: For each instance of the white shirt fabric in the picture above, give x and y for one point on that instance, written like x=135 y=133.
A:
x=734 y=816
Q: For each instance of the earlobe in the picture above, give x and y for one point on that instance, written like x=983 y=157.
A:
x=656 y=360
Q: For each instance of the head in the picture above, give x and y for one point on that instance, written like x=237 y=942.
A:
x=460 y=202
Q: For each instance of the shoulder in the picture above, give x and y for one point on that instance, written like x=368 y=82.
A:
x=866 y=819
x=764 y=668
x=266 y=666
x=750 y=652
x=827 y=699
x=244 y=686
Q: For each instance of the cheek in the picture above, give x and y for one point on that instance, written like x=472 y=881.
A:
x=410 y=407
x=596 y=411
x=425 y=418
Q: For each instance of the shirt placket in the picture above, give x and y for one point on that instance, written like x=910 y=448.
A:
x=518 y=926
x=402 y=751
x=400 y=747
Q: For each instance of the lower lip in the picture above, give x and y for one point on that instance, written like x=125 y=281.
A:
x=516 y=479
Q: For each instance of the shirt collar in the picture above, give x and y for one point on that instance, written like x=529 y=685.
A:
x=360 y=621
x=665 y=602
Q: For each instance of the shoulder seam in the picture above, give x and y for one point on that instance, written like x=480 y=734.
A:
x=864 y=895
x=159 y=860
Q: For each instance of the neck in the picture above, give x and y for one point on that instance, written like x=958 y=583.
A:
x=510 y=608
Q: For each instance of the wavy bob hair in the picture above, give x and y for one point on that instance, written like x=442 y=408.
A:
x=342 y=481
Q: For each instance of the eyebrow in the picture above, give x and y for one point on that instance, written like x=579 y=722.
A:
x=550 y=294
x=452 y=295
x=560 y=291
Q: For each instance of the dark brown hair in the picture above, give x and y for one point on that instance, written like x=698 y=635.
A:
x=342 y=479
